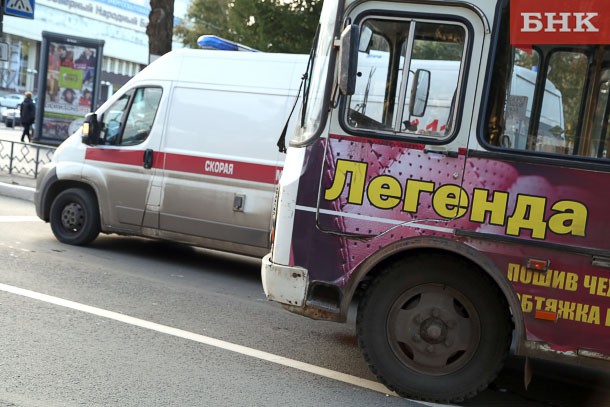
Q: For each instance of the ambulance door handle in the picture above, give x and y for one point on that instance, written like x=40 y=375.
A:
x=148 y=158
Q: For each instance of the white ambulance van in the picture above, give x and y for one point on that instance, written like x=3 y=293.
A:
x=185 y=151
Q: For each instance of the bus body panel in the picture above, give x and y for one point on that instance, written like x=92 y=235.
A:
x=513 y=184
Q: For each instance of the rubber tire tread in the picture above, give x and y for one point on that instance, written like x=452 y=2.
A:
x=88 y=202
x=496 y=327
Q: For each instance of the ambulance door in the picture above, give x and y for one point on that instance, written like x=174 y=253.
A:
x=124 y=165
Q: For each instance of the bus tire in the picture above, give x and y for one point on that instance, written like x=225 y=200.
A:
x=75 y=217
x=434 y=328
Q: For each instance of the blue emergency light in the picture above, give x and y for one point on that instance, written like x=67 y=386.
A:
x=217 y=43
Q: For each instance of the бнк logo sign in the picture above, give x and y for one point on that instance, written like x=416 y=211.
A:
x=559 y=22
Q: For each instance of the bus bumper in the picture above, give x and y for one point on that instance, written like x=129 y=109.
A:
x=284 y=284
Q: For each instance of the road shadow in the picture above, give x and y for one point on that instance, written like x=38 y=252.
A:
x=553 y=384
x=180 y=256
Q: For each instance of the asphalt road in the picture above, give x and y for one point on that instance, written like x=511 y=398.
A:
x=134 y=322
x=59 y=355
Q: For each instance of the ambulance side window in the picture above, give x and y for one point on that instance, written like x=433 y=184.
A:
x=112 y=120
x=129 y=120
x=141 y=116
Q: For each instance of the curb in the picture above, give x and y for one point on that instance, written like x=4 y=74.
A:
x=17 y=191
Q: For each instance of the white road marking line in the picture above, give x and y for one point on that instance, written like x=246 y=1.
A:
x=8 y=219
x=269 y=357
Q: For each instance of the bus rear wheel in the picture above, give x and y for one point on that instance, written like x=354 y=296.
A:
x=74 y=217
x=434 y=328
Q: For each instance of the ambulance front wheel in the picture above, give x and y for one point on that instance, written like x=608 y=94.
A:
x=75 y=217
x=434 y=328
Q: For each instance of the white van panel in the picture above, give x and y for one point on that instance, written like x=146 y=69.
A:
x=215 y=162
x=234 y=125
x=220 y=169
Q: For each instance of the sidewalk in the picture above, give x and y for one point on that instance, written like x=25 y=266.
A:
x=15 y=186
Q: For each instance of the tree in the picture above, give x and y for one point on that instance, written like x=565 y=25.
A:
x=160 y=27
x=266 y=25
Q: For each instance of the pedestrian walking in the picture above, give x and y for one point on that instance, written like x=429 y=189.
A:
x=28 y=114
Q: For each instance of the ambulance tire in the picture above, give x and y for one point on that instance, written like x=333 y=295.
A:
x=434 y=328
x=75 y=217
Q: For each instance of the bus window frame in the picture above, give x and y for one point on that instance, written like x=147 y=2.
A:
x=487 y=101
x=455 y=115
x=303 y=136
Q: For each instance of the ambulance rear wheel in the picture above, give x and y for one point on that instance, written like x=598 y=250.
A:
x=434 y=328
x=75 y=217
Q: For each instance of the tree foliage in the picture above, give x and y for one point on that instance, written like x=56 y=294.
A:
x=266 y=25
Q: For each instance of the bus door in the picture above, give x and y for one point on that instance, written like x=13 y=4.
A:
x=395 y=155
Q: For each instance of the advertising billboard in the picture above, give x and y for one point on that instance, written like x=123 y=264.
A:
x=69 y=85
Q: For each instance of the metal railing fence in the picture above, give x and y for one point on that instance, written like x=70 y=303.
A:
x=23 y=159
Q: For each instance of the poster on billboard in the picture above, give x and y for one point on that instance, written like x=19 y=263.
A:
x=69 y=84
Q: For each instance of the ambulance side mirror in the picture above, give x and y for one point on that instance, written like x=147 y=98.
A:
x=348 y=59
x=91 y=130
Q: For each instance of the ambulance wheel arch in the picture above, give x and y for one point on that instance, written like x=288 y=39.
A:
x=431 y=334
x=74 y=216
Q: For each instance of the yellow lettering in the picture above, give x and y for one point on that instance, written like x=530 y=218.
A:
x=602 y=287
x=571 y=282
x=594 y=317
x=526 y=303
x=539 y=302
x=551 y=305
x=542 y=279
x=384 y=192
x=581 y=312
x=597 y=285
x=496 y=207
x=450 y=201
x=525 y=276
x=357 y=172
x=566 y=309
x=528 y=215
x=607 y=317
x=590 y=283
x=413 y=190
x=513 y=272
x=559 y=280
x=571 y=219
x=571 y=311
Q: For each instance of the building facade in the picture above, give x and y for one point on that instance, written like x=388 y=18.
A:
x=121 y=24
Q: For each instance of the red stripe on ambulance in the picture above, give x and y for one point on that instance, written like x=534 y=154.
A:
x=240 y=170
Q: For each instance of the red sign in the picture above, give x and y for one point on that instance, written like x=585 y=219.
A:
x=559 y=22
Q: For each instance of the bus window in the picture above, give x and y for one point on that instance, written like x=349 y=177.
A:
x=366 y=105
x=561 y=109
x=600 y=140
x=518 y=108
x=386 y=72
x=546 y=107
